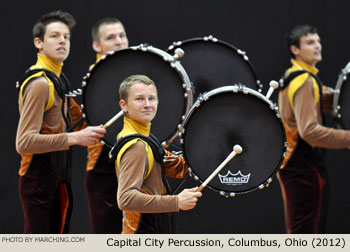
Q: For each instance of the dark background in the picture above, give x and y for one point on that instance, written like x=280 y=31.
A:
x=255 y=26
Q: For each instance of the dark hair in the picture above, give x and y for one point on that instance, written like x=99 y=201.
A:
x=39 y=28
x=96 y=28
x=294 y=35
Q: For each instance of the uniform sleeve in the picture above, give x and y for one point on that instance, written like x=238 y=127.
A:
x=130 y=195
x=175 y=166
x=307 y=118
x=28 y=138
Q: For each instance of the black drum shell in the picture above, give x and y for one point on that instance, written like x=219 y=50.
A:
x=210 y=63
x=101 y=90
x=225 y=117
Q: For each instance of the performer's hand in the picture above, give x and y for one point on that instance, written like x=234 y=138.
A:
x=188 y=198
x=87 y=136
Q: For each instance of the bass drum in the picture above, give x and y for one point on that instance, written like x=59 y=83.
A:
x=341 y=100
x=227 y=116
x=210 y=63
x=101 y=89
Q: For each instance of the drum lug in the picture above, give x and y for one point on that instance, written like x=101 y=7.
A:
x=222 y=193
x=83 y=83
x=196 y=178
x=82 y=106
x=111 y=52
x=241 y=88
x=177 y=43
x=190 y=172
x=243 y=53
x=210 y=37
x=261 y=186
x=232 y=194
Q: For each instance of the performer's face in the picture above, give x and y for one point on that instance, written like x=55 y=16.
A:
x=142 y=103
x=112 y=37
x=56 y=42
x=310 y=49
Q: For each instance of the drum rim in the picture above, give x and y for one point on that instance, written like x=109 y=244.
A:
x=236 y=88
x=210 y=38
x=343 y=76
x=167 y=58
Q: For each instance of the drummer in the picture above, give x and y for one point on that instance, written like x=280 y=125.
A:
x=101 y=186
x=43 y=140
x=140 y=186
x=299 y=101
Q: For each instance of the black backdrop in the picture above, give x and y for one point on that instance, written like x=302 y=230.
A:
x=254 y=26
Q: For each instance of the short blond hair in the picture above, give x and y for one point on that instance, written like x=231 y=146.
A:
x=126 y=84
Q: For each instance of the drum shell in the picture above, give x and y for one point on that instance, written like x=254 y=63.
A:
x=233 y=115
x=101 y=89
x=212 y=63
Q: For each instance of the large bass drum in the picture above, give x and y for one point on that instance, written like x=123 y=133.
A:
x=341 y=100
x=101 y=89
x=210 y=63
x=227 y=116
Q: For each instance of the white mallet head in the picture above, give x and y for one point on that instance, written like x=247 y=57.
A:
x=274 y=84
x=179 y=52
x=237 y=148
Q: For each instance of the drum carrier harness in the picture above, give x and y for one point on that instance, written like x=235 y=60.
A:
x=159 y=223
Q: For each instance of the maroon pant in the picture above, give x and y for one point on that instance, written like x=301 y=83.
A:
x=46 y=205
x=301 y=183
x=46 y=201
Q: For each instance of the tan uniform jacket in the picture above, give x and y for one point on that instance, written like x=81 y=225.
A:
x=138 y=195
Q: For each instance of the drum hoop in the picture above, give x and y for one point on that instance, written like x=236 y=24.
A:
x=212 y=39
x=237 y=88
x=343 y=76
x=167 y=58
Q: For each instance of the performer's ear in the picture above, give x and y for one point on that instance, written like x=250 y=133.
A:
x=294 y=49
x=96 y=46
x=123 y=105
x=38 y=43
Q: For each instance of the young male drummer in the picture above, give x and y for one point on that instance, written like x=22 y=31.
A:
x=42 y=140
x=140 y=186
x=300 y=105
x=105 y=217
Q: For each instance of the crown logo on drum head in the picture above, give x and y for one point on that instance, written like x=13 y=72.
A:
x=234 y=179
